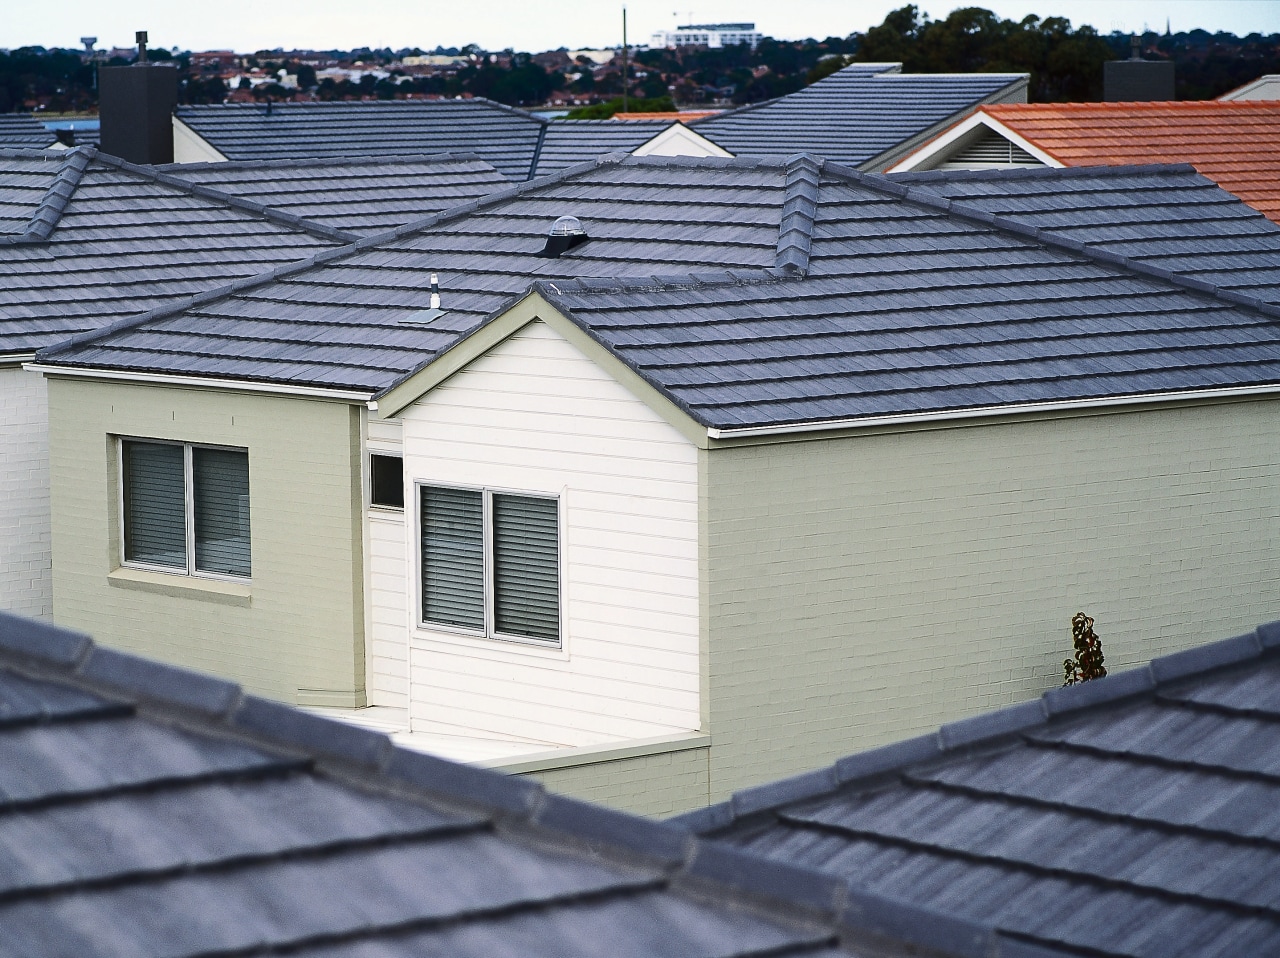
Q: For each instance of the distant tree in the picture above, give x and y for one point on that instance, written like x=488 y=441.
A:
x=603 y=111
x=306 y=76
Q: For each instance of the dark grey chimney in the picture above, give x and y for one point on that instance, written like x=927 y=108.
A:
x=1136 y=79
x=135 y=109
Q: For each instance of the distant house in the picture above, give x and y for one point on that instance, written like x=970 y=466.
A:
x=519 y=144
x=86 y=240
x=154 y=811
x=868 y=115
x=775 y=457
x=1235 y=144
x=1133 y=815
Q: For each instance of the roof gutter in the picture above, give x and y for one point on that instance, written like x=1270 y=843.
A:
x=199 y=382
x=991 y=412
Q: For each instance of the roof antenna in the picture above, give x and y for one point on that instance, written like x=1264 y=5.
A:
x=435 y=291
x=141 y=37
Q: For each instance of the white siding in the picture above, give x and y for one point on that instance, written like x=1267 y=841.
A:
x=26 y=578
x=387 y=662
x=536 y=415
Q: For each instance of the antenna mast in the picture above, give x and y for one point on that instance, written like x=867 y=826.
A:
x=624 y=59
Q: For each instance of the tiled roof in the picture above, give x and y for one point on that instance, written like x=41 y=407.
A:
x=1235 y=144
x=85 y=238
x=857 y=115
x=1134 y=815
x=821 y=293
x=504 y=137
x=359 y=196
x=145 y=810
x=568 y=142
x=22 y=131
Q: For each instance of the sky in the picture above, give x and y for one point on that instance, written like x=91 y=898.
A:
x=535 y=25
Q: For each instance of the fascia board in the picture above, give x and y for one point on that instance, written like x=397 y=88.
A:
x=533 y=307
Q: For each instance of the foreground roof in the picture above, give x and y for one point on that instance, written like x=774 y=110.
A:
x=86 y=238
x=771 y=293
x=146 y=810
x=22 y=131
x=518 y=144
x=1131 y=815
x=1234 y=143
x=862 y=116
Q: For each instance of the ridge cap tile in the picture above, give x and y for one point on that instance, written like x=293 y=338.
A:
x=653 y=839
x=888 y=758
x=319 y=736
x=42 y=641
x=766 y=877
x=992 y=725
x=1113 y=687
x=783 y=791
x=157 y=681
x=1268 y=635
x=465 y=783
x=701 y=821
x=1205 y=658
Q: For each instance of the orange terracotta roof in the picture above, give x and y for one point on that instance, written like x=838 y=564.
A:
x=1234 y=143
x=686 y=116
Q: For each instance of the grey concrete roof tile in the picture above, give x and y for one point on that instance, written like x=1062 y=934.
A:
x=1139 y=819
x=159 y=824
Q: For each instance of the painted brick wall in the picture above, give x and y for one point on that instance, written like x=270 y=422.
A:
x=296 y=632
x=659 y=785
x=26 y=584
x=863 y=590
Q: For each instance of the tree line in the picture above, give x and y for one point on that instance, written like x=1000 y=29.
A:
x=1065 y=64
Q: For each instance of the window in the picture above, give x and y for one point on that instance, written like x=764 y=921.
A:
x=386 y=474
x=491 y=563
x=185 y=508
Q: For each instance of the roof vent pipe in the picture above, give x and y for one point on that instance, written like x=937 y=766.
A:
x=435 y=291
x=566 y=233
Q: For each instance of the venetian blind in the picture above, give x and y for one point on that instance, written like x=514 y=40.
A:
x=155 y=513
x=221 y=479
x=526 y=567
x=453 y=557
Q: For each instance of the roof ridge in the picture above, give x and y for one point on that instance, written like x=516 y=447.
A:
x=987 y=728
x=537 y=152
x=359 y=104
x=851 y=69
x=324 y=256
x=1008 y=223
x=269 y=213
x=48 y=212
x=341 y=161
x=1044 y=172
x=799 y=209
x=205 y=703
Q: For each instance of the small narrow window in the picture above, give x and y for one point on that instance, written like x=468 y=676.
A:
x=387 y=481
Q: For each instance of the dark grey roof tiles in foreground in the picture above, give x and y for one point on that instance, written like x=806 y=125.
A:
x=145 y=810
x=856 y=115
x=22 y=131
x=1134 y=815
x=502 y=136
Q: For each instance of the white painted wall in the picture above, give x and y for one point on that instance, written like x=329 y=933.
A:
x=679 y=140
x=536 y=415
x=387 y=657
x=26 y=577
x=190 y=147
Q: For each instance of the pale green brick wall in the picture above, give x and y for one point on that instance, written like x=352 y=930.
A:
x=861 y=590
x=659 y=785
x=302 y=625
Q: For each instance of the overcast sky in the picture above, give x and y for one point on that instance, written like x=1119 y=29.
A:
x=534 y=25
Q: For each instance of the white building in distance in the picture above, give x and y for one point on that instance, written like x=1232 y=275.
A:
x=708 y=35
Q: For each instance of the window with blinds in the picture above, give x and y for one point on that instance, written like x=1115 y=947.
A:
x=186 y=508
x=491 y=563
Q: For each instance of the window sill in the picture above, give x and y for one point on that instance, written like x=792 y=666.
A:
x=218 y=591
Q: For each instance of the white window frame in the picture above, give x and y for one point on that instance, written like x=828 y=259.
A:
x=189 y=504
x=490 y=630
